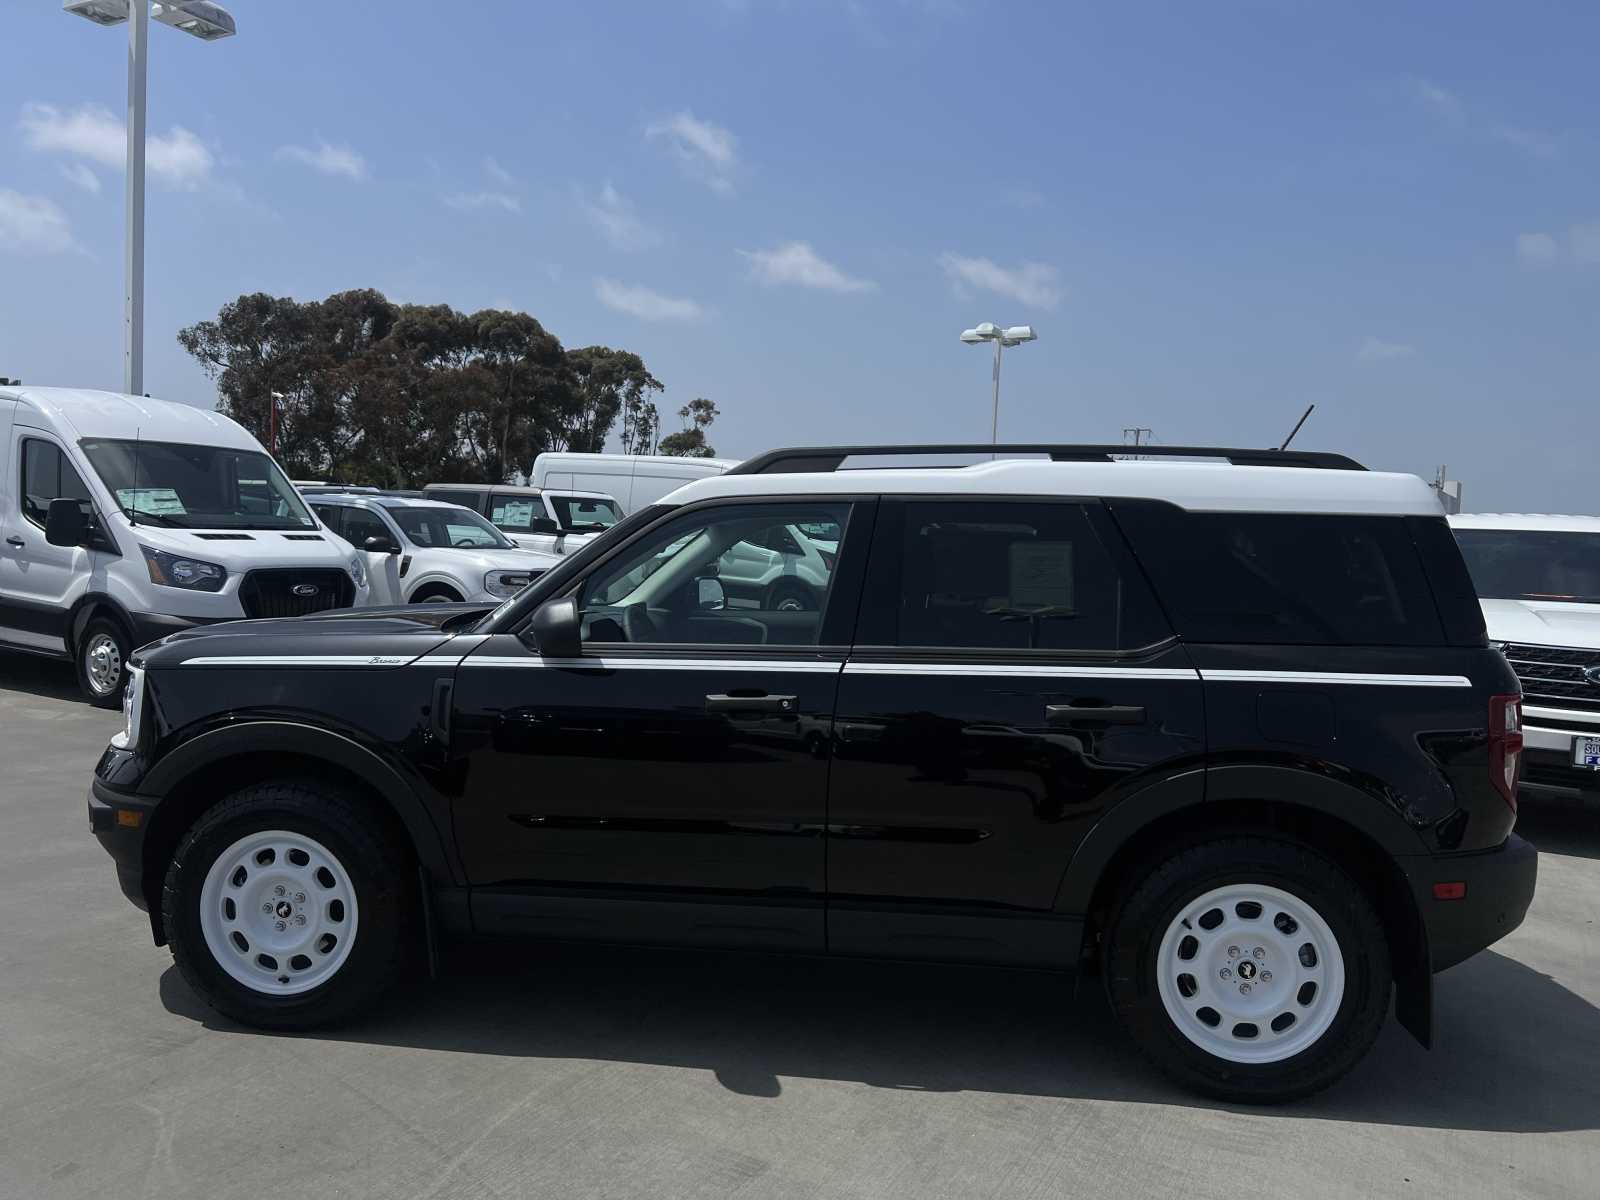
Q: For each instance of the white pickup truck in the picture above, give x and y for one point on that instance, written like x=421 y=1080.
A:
x=1538 y=580
x=550 y=520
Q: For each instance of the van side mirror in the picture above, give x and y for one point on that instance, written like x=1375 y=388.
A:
x=556 y=629
x=710 y=595
x=543 y=525
x=65 y=524
x=380 y=545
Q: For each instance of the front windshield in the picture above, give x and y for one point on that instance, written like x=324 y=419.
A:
x=585 y=513
x=446 y=527
x=1527 y=564
x=196 y=487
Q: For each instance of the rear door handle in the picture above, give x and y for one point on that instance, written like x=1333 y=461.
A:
x=14 y=540
x=783 y=706
x=1086 y=714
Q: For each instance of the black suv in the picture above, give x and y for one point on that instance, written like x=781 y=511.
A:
x=1227 y=732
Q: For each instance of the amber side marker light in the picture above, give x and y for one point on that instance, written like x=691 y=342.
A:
x=130 y=819
x=1449 y=891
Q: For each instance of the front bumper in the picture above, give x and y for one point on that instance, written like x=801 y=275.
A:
x=119 y=820
x=1499 y=886
x=152 y=627
x=1547 y=770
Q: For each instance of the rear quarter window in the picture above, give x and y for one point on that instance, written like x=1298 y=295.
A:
x=1284 y=578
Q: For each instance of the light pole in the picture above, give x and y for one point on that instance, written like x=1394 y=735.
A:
x=990 y=332
x=203 y=20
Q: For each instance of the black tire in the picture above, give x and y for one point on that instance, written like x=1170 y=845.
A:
x=380 y=868
x=797 y=596
x=104 y=646
x=435 y=593
x=1157 y=896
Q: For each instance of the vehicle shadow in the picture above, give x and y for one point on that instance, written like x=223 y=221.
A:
x=1560 y=829
x=47 y=677
x=752 y=1021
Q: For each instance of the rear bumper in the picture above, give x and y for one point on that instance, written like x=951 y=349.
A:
x=118 y=820
x=1499 y=886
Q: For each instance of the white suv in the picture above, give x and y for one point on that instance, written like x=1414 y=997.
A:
x=419 y=550
x=1538 y=578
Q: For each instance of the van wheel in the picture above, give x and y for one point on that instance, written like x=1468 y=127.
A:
x=435 y=593
x=288 y=907
x=101 y=660
x=1249 y=969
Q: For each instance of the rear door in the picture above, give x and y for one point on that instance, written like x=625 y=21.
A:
x=1011 y=677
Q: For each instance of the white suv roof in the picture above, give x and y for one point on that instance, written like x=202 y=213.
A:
x=1532 y=522
x=1197 y=486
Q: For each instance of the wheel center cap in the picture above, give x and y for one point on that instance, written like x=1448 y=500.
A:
x=1247 y=970
x=284 y=909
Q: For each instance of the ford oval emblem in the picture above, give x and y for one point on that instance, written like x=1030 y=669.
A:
x=1592 y=674
x=304 y=589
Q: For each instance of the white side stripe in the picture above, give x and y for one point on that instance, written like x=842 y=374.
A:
x=301 y=660
x=1021 y=670
x=657 y=664
x=1335 y=677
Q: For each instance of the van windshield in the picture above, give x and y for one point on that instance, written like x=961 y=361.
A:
x=1529 y=564
x=585 y=514
x=196 y=487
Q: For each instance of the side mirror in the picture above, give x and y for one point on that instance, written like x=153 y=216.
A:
x=556 y=629
x=543 y=525
x=65 y=524
x=380 y=545
x=710 y=595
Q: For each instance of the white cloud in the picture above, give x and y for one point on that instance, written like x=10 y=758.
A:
x=177 y=157
x=33 y=225
x=645 y=304
x=612 y=214
x=707 y=151
x=1374 y=350
x=82 y=176
x=496 y=172
x=1537 y=248
x=1441 y=101
x=797 y=263
x=467 y=201
x=1034 y=284
x=1532 y=141
x=339 y=161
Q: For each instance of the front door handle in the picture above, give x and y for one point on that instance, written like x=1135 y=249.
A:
x=14 y=540
x=783 y=706
x=1087 y=714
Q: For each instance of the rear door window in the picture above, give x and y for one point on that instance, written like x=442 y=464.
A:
x=1284 y=578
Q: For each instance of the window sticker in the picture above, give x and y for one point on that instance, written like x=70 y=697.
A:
x=158 y=502
x=1041 y=575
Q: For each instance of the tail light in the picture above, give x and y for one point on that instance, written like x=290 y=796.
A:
x=1505 y=746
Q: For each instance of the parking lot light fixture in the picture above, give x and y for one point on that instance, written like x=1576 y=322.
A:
x=198 y=18
x=1014 y=335
x=101 y=12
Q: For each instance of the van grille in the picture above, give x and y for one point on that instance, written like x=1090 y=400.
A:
x=272 y=593
x=1552 y=676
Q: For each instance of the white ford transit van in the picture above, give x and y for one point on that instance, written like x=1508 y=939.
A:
x=125 y=519
x=636 y=480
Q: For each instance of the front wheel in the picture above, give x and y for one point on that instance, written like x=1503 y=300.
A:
x=1249 y=969
x=102 y=660
x=288 y=906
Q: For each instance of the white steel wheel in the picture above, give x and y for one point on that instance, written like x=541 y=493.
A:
x=102 y=663
x=278 y=912
x=1250 y=973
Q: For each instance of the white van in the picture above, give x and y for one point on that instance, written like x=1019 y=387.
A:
x=634 y=479
x=126 y=519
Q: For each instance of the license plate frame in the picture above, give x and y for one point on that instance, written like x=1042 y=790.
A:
x=1586 y=751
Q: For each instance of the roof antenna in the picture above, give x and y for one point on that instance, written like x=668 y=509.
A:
x=133 y=500
x=1296 y=428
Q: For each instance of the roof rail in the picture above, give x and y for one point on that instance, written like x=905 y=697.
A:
x=825 y=459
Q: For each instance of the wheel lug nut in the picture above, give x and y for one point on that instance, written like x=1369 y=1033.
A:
x=279 y=926
x=1225 y=973
x=1244 y=989
x=1233 y=952
x=300 y=920
x=300 y=898
x=267 y=907
x=1258 y=952
x=278 y=890
x=1266 y=977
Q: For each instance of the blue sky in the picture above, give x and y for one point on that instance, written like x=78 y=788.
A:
x=1214 y=214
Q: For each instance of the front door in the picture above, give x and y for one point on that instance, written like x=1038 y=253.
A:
x=673 y=777
x=1011 y=676
x=38 y=581
x=384 y=570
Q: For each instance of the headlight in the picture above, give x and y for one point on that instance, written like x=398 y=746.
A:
x=358 y=572
x=506 y=584
x=173 y=570
x=132 y=710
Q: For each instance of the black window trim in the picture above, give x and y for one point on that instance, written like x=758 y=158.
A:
x=100 y=537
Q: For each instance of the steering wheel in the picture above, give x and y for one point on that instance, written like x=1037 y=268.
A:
x=464 y=544
x=637 y=623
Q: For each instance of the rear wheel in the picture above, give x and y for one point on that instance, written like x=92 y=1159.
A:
x=101 y=661
x=287 y=906
x=1248 y=968
x=435 y=593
